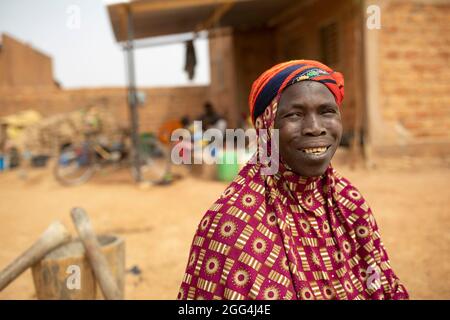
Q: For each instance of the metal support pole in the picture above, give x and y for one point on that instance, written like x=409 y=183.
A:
x=132 y=99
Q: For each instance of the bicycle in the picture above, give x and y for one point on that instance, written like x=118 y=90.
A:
x=79 y=160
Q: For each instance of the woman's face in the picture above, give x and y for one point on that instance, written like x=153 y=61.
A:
x=310 y=127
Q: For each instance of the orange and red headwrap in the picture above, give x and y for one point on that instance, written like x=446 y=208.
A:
x=272 y=82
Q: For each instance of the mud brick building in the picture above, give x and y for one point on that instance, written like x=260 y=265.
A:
x=397 y=76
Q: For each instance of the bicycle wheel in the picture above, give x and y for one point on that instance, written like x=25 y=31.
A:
x=155 y=163
x=76 y=164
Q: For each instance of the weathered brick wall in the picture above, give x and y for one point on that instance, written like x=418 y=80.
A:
x=161 y=104
x=414 y=60
x=223 y=75
x=254 y=52
x=22 y=65
x=295 y=34
x=299 y=38
x=172 y=103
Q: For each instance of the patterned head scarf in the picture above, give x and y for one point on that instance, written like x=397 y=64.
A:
x=284 y=236
x=272 y=82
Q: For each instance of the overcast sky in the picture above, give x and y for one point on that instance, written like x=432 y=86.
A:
x=86 y=54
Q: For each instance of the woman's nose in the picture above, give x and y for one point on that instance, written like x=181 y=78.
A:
x=312 y=126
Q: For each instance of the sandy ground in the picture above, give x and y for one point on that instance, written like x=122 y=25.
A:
x=411 y=207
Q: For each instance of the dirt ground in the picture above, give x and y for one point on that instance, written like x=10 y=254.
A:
x=158 y=223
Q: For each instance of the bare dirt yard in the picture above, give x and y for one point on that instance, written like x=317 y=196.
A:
x=158 y=223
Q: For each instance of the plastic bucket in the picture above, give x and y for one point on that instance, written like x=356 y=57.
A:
x=229 y=166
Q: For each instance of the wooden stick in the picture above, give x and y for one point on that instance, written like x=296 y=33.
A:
x=54 y=236
x=96 y=258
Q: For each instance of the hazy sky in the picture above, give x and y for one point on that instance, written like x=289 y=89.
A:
x=89 y=55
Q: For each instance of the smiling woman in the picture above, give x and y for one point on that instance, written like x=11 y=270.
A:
x=310 y=127
x=304 y=232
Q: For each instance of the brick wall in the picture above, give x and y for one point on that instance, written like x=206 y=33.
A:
x=254 y=52
x=22 y=65
x=161 y=104
x=223 y=75
x=414 y=60
x=298 y=37
x=294 y=34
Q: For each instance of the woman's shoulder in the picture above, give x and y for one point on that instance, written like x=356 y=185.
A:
x=350 y=198
x=345 y=188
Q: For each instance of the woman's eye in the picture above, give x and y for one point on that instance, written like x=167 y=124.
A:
x=293 y=115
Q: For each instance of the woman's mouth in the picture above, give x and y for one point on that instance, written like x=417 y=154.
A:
x=317 y=151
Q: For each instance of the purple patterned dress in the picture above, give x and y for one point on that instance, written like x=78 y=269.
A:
x=289 y=237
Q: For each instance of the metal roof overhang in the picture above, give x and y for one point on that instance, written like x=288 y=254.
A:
x=151 y=18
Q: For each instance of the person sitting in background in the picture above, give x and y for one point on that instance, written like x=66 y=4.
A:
x=211 y=119
x=167 y=128
x=209 y=116
x=304 y=232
